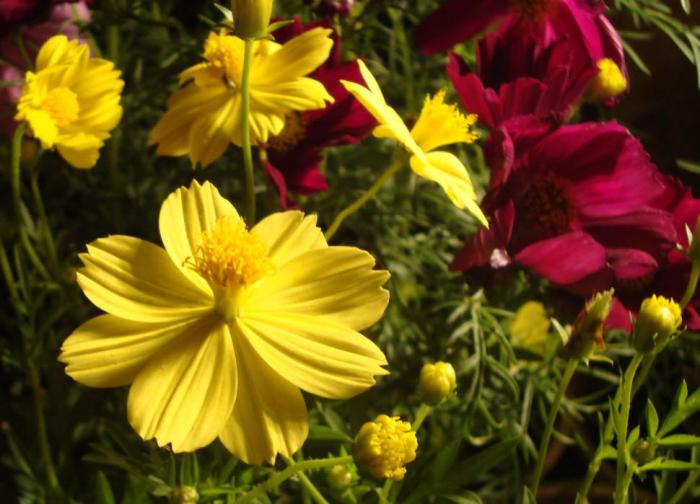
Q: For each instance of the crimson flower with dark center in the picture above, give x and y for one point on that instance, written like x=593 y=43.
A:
x=293 y=158
x=577 y=209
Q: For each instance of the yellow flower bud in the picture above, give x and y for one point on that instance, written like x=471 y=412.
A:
x=609 y=82
x=383 y=447
x=185 y=495
x=657 y=320
x=251 y=17
x=339 y=478
x=436 y=382
x=589 y=327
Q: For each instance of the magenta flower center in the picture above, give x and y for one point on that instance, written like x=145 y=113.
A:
x=294 y=132
x=534 y=9
x=543 y=210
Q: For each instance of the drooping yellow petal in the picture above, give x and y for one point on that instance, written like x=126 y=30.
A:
x=288 y=234
x=336 y=283
x=136 y=280
x=185 y=394
x=107 y=351
x=448 y=171
x=269 y=416
x=314 y=353
x=184 y=215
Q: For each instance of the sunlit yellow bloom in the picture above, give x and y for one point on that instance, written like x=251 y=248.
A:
x=609 y=83
x=204 y=116
x=71 y=101
x=530 y=327
x=383 y=447
x=439 y=124
x=218 y=332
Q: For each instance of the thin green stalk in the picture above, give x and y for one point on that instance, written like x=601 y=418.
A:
x=245 y=134
x=692 y=284
x=44 y=446
x=689 y=484
x=17 y=201
x=274 y=481
x=571 y=366
x=39 y=203
x=623 y=459
x=308 y=484
x=7 y=273
x=357 y=204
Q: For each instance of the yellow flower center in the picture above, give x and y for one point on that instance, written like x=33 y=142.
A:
x=609 y=82
x=385 y=446
x=62 y=105
x=441 y=124
x=224 y=56
x=294 y=131
x=229 y=256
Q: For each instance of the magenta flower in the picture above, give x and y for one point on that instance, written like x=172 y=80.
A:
x=294 y=157
x=576 y=209
x=62 y=19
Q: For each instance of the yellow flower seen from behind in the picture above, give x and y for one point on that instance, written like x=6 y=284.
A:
x=218 y=332
x=204 y=116
x=71 y=101
x=439 y=124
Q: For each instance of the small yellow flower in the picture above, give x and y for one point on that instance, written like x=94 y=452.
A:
x=204 y=116
x=529 y=328
x=439 y=124
x=436 y=382
x=658 y=319
x=72 y=100
x=383 y=447
x=218 y=332
x=609 y=83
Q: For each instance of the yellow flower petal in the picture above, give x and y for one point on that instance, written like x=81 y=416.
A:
x=185 y=395
x=184 y=215
x=313 y=353
x=448 y=171
x=441 y=124
x=136 y=280
x=337 y=283
x=269 y=416
x=211 y=133
x=58 y=50
x=288 y=234
x=107 y=351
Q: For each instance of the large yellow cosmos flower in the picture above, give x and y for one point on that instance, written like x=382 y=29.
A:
x=218 y=332
x=72 y=100
x=204 y=116
x=438 y=125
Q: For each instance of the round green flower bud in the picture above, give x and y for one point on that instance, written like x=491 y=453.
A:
x=436 y=382
x=643 y=451
x=657 y=320
x=185 y=495
x=339 y=478
x=251 y=17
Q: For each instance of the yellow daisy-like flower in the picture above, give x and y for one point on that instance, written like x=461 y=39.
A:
x=204 y=116
x=72 y=100
x=439 y=124
x=218 y=332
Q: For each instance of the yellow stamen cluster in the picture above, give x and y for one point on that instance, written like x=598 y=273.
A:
x=229 y=256
x=294 y=132
x=441 y=124
x=62 y=105
x=609 y=82
x=224 y=55
x=383 y=447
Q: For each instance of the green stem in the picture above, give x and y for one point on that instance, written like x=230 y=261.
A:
x=692 y=284
x=306 y=482
x=571 y=366
x=17 y=201
x=44 y=446
x=422 y=414
x=688 y=485
x=39 y=203
x=357 y=204
x=7 y=273
x=245 y=134
x=274 y=481
x=623 y=459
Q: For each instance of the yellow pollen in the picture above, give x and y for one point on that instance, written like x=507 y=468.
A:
x=294 y=132
x=609 y=82
x=62 y=105
x=224 y=56
x=441 y=124
x=229 y=256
